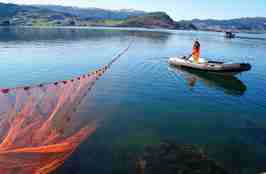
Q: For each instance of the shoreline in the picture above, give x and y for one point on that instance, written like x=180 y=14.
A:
x=129 y=29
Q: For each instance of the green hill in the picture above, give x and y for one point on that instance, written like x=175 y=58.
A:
x=24 y=15
x=156 y=20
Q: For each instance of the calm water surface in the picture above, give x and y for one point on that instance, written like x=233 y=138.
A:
x=142 y=100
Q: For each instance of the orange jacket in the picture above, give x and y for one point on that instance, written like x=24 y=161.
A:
x=196 y=51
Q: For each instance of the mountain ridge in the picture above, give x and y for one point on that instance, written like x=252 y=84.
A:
x=28 y=15
x=93 y=12
x=56 y=15
x=256 y=24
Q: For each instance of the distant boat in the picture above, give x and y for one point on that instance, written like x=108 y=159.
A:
x=5 y=23
x=229 y=35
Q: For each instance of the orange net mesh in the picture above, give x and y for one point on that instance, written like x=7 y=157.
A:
x=37 y=124
x=38 y=129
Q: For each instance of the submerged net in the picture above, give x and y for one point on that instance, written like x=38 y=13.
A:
x=38 y=130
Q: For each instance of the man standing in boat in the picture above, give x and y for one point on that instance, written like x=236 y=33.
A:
x=196 y=51
x=195 y=56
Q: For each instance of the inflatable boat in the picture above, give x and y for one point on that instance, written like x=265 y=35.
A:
x=210 y=66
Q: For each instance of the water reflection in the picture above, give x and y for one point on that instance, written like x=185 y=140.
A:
x=51 y=34
x=230 y=85
x=8 y=34
x=39 y=127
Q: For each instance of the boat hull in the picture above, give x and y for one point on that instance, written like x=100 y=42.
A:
x=211 y=66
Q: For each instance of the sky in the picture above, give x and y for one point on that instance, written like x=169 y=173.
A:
x=177 y=9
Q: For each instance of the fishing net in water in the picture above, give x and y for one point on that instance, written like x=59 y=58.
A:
x=37 y=124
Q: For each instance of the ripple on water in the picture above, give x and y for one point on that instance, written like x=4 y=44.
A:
x=141 y=94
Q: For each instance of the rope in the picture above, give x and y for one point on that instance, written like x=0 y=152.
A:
x=99 y=71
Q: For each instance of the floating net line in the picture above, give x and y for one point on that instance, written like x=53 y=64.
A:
x=38 y=130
